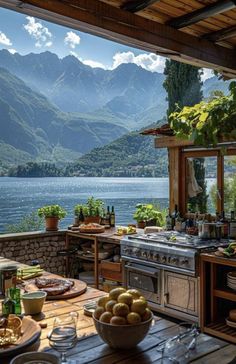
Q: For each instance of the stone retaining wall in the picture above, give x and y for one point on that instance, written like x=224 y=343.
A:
x=43 y=246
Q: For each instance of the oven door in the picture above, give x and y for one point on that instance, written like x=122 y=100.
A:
x=144 y=278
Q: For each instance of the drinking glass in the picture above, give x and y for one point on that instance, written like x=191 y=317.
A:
x=188 y=334
x=63 y=336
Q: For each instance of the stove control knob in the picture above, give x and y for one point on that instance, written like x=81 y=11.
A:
x=184 y=261
x=156 y=256
x=144 y=254
x=163 y=259
x=173 y=260
x=126 y=250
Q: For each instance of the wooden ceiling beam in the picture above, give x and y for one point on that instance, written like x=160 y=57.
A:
x=201 y=14
x=137 y=5
x=101 y=19
x=222 y=34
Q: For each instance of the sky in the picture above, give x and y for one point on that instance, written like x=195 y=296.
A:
x=25 y=34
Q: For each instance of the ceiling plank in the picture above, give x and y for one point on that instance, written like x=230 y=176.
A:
x=101 y=19
x=135 y=6
x=222 y=34
x=201 y=14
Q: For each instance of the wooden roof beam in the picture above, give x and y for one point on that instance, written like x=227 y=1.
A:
x=137 y=5
x=201 y=14
x=222 y=34
x=104 y=20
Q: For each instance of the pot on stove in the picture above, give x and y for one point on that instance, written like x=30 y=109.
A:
x=210 y=230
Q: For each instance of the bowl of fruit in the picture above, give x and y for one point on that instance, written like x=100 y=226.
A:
x=122 y=319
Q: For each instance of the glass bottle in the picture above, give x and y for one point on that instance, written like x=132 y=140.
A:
x=112 y=217
x=108 y=216
x=8 y=305
x=81 y=216
x=225 y=229
x=15 y=295
x=168 y=222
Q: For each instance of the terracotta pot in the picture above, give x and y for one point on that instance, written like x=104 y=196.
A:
x=92 y=219
x=51 y=223
x=151 y=222
x=141 y=224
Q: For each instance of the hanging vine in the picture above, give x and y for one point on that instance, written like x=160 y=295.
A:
x=207 y=123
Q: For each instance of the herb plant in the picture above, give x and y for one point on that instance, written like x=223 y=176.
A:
x=147 y=212
x=52 y=211
x=93 y=207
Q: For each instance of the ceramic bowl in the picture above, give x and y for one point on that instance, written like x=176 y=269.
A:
x=33 y=302
x=36 y=358
x=122 y=336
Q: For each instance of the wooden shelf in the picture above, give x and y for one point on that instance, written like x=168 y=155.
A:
x=220 y=329
x=225 y=293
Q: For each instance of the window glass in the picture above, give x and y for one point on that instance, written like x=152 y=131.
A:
x=201 y=184
x=229 y=184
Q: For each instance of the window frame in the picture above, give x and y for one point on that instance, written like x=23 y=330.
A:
x=195 y=153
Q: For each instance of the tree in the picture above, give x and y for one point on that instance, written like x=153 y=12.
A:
x=183 y=85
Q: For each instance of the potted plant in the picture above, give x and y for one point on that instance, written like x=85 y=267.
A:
x=52 y=215
x=92 y=211
x=148 y=215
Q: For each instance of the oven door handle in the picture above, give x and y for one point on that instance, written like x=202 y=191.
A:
x=146 y=272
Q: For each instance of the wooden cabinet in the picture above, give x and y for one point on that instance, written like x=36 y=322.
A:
x=181 y=293
x=216 y=298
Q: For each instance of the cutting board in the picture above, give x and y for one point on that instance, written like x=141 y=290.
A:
x=78 y=288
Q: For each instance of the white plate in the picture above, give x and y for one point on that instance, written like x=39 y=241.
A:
x=230 y=323
x=232 y=275
x=232 y=287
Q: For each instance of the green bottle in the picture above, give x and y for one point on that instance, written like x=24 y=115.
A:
x=15 y=295
x=8 y=305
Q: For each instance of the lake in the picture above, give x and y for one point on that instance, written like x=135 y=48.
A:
x=21 y=196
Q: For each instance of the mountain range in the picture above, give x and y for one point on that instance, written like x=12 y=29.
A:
x=55 y=110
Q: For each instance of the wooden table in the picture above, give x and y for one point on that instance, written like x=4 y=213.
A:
x=91 y=349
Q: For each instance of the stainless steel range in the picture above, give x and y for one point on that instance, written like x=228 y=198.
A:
x=165 y=268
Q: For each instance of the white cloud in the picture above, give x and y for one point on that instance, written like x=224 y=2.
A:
x=72 y=39
x=4 y=40
x=38 y=32
x=89 y=62
x=207 y=73
x=149 y=61
x=12 y=51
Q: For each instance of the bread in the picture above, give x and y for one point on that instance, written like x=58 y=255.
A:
x=232 y=315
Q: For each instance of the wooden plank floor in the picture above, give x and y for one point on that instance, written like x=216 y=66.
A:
x=91 y=349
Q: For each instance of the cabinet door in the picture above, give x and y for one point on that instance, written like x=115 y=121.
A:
x=181 y=292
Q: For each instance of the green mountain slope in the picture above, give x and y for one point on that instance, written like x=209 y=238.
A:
x=131 y=155
x=32 y=127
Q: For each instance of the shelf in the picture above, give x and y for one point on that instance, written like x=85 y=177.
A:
x=221 y=330
x=80 y=256
x=225 y=293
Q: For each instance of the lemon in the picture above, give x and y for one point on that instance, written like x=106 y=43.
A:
x=118 y=320
x=109 y=305
x=114 y=293
x=105 y=317
x=120 y=309
x=139 y=306
x=125 y=298
x=102 y=301
x=98 y=312
x=133 y=318
x=146 y=315
x=134 y=293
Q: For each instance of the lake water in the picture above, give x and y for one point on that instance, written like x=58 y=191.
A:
x=21 y=196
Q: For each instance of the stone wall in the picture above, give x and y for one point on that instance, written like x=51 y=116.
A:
x=43 y=246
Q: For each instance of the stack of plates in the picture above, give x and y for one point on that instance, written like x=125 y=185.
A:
x=231 y=280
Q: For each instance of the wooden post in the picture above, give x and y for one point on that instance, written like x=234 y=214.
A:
x=174 y=177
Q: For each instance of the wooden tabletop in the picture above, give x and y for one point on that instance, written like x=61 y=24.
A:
x=91 y=349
